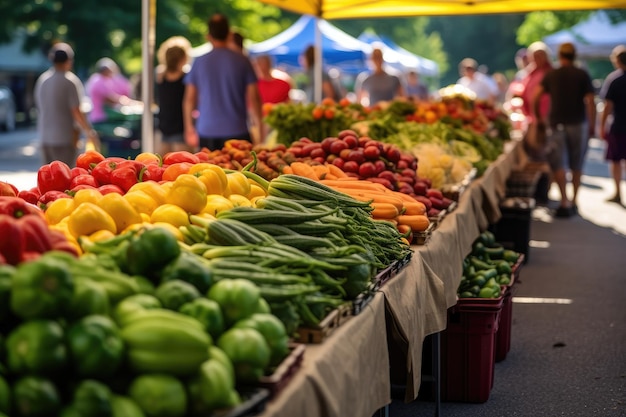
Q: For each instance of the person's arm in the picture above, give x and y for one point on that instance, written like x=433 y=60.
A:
x=90 y=133
x=327 y=90
x=590 y=106
x=190 y=100
x=535 y=103
x=608 y=109
x=254 y=99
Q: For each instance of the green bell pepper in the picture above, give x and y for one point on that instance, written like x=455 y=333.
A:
x=35 y=396
x=134 y=303
x=190 y=268
x=272 y=330
x=159 y=395
x=125 y=407
x=238 y=298
x=93 y=399
x=6 y=277
x=211 y=388
x=42 y=288
x=207 y=312
x=5 y=396
x=150 y=250
x=96 y=346
x=37 y=346
x=89 y=297
x=173 y=294
x=248 y=351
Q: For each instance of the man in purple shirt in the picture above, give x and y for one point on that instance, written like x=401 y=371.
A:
x=220 y=86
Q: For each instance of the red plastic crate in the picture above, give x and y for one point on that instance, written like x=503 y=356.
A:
x=503 y=334
x=468 y=349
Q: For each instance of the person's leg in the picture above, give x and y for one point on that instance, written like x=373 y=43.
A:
x=555 y=160
x=576 y=140
x=616 y=173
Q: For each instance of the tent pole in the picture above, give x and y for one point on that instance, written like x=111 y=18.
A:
x=148 y=14
x=317 y=68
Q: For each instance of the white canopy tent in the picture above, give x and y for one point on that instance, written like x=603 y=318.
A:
x=594 y=38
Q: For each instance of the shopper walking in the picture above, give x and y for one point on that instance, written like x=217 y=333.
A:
x=58 y=93
x=379 y=85
x=219 y=85
x=173 y=55
x=615 y=105
x=415 y=89
x=571 y=122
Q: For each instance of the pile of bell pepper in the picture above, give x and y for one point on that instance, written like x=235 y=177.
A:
x=101 y=197
x=25 y=232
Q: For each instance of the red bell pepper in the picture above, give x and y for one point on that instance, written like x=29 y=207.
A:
x=153 y=172
x=102 y=171
x=17 y=207
x=180 y=156
x=84 y=179
x=126 y=174
x=110 y=188
x=76 y=171
x=35 y=234
x=60 y=242
x=55 y=176
x=8 y=189
x=89 y=159
x=30 y=196
x=79 y=187
x=11 y=244
x=49 y=197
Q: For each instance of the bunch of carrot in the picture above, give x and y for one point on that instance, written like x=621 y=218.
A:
x=402 y=209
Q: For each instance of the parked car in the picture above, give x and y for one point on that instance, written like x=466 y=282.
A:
x=7 y=109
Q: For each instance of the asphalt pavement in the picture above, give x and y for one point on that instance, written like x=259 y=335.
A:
x=568 y=342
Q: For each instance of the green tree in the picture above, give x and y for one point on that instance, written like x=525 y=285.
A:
x=537 y=25
x=490 y=39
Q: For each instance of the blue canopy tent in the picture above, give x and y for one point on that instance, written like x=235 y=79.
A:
x=338 y=49
x=594 y=38
x=398 y=57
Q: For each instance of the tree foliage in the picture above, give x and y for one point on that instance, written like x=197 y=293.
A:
x=537 y=25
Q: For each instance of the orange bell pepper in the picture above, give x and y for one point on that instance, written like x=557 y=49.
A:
x=173 y=171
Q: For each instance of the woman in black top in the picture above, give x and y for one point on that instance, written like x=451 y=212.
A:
x=173 y=57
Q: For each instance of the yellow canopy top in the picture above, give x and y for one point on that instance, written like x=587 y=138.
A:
x=346 y=9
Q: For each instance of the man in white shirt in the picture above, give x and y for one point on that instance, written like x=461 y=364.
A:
x=476 y=81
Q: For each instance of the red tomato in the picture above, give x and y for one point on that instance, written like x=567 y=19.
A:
x=371 y=152
x=351 y=141
x=351 y=166
x=338 y=162
x=337 y=146
x=367 y=170
x=318 y=153
x=346 y=132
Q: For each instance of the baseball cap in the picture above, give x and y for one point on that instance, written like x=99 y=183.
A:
x=60 y=53
x=567 y=49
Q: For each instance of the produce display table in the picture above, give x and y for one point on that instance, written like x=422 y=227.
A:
x=342 y=375
x=348 y=373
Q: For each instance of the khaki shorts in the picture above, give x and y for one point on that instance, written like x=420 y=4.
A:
x=568 y=143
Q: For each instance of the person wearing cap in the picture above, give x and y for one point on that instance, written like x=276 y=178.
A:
x=615 y=73
x=107 y=87
x=219 y=87
x=476 y=81
x=539 y=64
x=58 y=93
x=615 y=106
x=571 y=122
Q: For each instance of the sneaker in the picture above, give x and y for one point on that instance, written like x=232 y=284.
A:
x=563 y=212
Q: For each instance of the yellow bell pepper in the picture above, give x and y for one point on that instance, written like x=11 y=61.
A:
x=175 y=230
x=256 y=191
x=63 y=227
x=90 y=195
x=188 y=193
x=155 y=190
x=212 y=181
x=59 y=209
x=239 y=201
x=238 y=183
x=123 y=213
x=170 y=213
x=216 y=203
x=141 y=201
x=218 y=170
x=89 y=218
x=101 y=235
